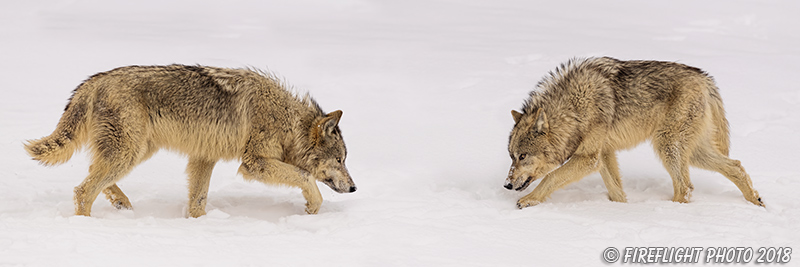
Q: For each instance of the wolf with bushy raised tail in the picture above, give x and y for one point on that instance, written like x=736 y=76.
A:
x=582 y=113
x=209 y=114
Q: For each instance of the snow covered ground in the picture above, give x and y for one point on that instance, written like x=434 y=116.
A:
x=426 y=88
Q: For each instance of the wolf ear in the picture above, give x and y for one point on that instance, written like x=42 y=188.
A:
x=541 y=124
x=330 y=121
x=517 y=116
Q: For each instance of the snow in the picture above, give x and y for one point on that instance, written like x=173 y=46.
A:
x=426 y=88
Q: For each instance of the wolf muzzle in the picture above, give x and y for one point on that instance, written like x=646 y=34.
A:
x=329 y=182
x=525 y=184
x=510 y=186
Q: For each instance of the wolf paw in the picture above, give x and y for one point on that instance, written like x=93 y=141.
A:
x=117 y=199
x=756 y=199
x=524 y=203
x=682 y=198
x=196 y=213
x=618 y=197
x=760 y=203
x=312 y=208
x=122 y=204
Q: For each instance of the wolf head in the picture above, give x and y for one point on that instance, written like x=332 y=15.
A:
x=531 y=148
x=329 y=153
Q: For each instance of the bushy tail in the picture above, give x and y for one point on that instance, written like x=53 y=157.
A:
x=721 y=132
x=69 y=135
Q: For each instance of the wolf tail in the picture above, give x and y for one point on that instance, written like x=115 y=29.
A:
x=721 y=133
x=69 y=135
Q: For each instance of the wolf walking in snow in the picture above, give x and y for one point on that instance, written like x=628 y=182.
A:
x=127 y=114
x=581 y=114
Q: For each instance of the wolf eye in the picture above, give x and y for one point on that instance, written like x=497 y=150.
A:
x=522 y=156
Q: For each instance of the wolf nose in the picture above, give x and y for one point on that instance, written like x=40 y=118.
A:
x=509 y=186
x=352 y=189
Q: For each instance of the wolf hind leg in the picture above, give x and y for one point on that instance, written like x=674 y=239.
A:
x=112 y=160
x=680 y=132
x=609 y=170
x=674 y=157
x=115 y=195
x=118 y=144
x=709 y=158
x=103 y=174
x=199 y=171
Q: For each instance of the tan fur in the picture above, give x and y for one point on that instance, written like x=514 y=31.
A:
x=581 y=114
x=127 y=114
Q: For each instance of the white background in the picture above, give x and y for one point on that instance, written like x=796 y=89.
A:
x=426 y=88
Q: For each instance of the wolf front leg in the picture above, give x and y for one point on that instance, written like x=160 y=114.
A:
x=273 y=171
x=199 y=171
x=609 y=170
x=576 y=168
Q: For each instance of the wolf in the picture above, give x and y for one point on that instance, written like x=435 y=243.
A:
x=209 y=114
x=587 y=109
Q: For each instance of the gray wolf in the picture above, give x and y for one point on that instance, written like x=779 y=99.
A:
x=209 y=114
x=585 y=110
